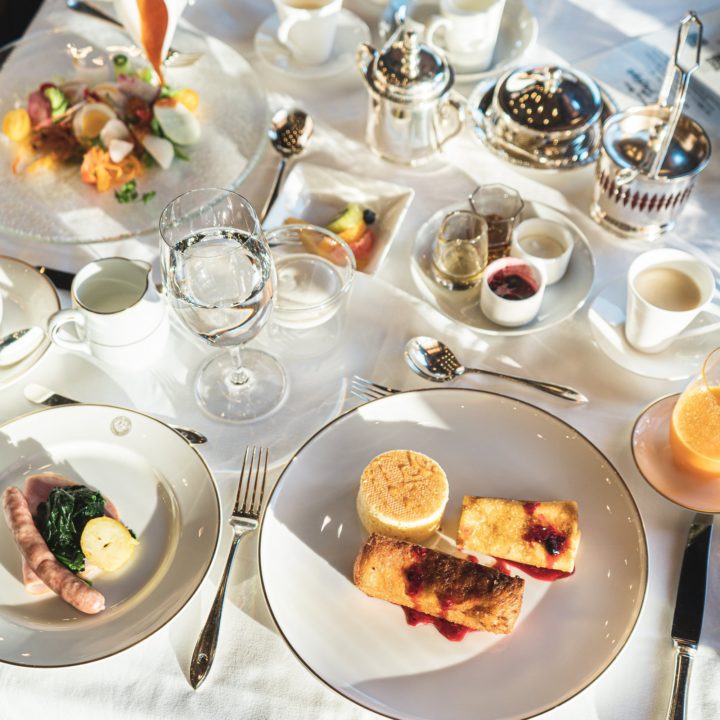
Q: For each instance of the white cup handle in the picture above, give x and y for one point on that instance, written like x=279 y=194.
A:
x=64 y=317
x=711 y=309
x=435 y=24
x=283 y=32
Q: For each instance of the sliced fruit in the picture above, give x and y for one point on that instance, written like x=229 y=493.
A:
x=354 y=233
x=294 y=221
x=362 y=248
x=107 y=543
x=189 y=98
x=349 y=218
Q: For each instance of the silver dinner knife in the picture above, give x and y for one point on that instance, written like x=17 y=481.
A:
x=689 y=607
x=40 y=395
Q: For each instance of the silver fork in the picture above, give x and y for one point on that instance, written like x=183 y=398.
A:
x=244 y=519
x=368 y=390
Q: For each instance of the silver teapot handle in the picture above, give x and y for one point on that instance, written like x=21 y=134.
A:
x=456 y=104
x=364 y=56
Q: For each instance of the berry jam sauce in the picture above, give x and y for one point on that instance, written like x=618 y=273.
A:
x=451 y=631
x=545 y=574
x=513 y=283
x=553 y=541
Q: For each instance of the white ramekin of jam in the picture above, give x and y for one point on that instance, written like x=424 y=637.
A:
x=512 y=291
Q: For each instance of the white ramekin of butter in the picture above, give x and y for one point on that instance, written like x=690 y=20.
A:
x=545 y=243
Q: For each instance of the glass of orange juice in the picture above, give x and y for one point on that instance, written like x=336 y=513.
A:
x=695 y=423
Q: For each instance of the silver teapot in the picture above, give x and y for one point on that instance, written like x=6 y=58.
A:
x=412 y=111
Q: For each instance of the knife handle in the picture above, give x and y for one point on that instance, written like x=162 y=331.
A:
x=684 y=655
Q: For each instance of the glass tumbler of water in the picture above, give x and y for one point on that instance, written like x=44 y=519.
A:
x=460 y=250
x=219 y=276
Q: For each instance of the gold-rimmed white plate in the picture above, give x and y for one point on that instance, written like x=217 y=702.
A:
x=164 y=492
x=491 y=445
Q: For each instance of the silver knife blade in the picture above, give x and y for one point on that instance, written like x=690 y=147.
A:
x=40 y=395
x=690 y=603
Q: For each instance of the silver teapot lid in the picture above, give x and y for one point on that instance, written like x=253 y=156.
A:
x=407 y=70
x=549 y=99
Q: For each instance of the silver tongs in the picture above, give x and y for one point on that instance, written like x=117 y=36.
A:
x=682 y=65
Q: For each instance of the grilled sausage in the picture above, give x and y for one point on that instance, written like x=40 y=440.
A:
x=56 y=576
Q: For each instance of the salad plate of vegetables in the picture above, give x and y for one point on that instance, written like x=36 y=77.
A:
x=95 y=143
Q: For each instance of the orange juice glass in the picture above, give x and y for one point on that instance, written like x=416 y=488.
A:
x=695 y=423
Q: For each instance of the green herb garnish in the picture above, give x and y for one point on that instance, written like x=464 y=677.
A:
x=127 y=193
x=122 y=65
x=180 y=153
x=147 y=160
x=148 y=196
x=62 y=518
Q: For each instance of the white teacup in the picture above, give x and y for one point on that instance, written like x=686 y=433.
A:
x=117 y=314
x=509 y=311
x=666 y=290
x=307 y=28
x=471 y=30
x=545 y=243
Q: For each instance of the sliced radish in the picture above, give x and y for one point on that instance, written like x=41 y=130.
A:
x=178 y=123
x=114 y=130
x=119 y=149
x=162 y=150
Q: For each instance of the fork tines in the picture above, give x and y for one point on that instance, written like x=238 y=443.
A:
x=255 y=457
x=366 y=389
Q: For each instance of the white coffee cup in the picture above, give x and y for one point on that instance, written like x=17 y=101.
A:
x=307 y=28
x=471 y=30
x=666 y=290
x=506 y=311
x=545 y=243
x=117 y=314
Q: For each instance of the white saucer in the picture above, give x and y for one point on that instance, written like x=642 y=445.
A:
x=518 y=33
x=28 y=298
x=653 y=457
x=560 y=301
x=607 y=322
x=351 y=31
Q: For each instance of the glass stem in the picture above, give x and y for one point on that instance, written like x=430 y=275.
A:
x=239 y=375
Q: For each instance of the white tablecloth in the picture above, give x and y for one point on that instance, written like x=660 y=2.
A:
x=255 y=675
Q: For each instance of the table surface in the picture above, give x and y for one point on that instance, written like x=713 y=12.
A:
x=255 y=675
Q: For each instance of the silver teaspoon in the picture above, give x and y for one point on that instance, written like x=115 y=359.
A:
x=433 y=360
x=17 y=345
x=289 y=135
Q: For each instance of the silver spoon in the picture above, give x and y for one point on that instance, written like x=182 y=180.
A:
x=17 y=345
x=174 y=58
x=433 y=360
x=289 y=135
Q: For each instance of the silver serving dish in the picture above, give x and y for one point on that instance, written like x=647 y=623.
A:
x=541 y=117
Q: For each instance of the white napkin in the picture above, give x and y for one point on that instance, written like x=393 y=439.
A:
x=128 y=13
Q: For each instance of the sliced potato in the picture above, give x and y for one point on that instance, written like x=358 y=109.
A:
x=107 y=543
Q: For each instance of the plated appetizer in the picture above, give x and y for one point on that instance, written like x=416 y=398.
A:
x=111 y=128
x=68 y=534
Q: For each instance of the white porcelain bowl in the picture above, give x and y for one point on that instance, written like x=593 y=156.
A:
x=504 y=310
x=546 y=244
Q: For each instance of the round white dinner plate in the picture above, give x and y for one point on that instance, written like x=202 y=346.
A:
x=351 y=31
x=163 y=491
x=28 y=298
x=653 y=456
x=517 y=34
x=607 y=323
x=568 y=632
x=560 y=301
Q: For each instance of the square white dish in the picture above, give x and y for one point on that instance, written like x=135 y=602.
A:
x=318 y=194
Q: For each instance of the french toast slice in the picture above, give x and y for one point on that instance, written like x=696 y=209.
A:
x=542 y=534
x=437 y=584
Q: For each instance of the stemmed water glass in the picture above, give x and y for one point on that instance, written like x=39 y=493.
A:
x=219 y=275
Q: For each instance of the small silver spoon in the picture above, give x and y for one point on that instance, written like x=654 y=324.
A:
x=17 y=345
x=433 y=360
x=289 y=135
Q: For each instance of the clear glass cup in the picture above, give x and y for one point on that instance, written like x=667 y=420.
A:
x=695 y=422
x=460 y=250
x=501 y=207
x=220 y=278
